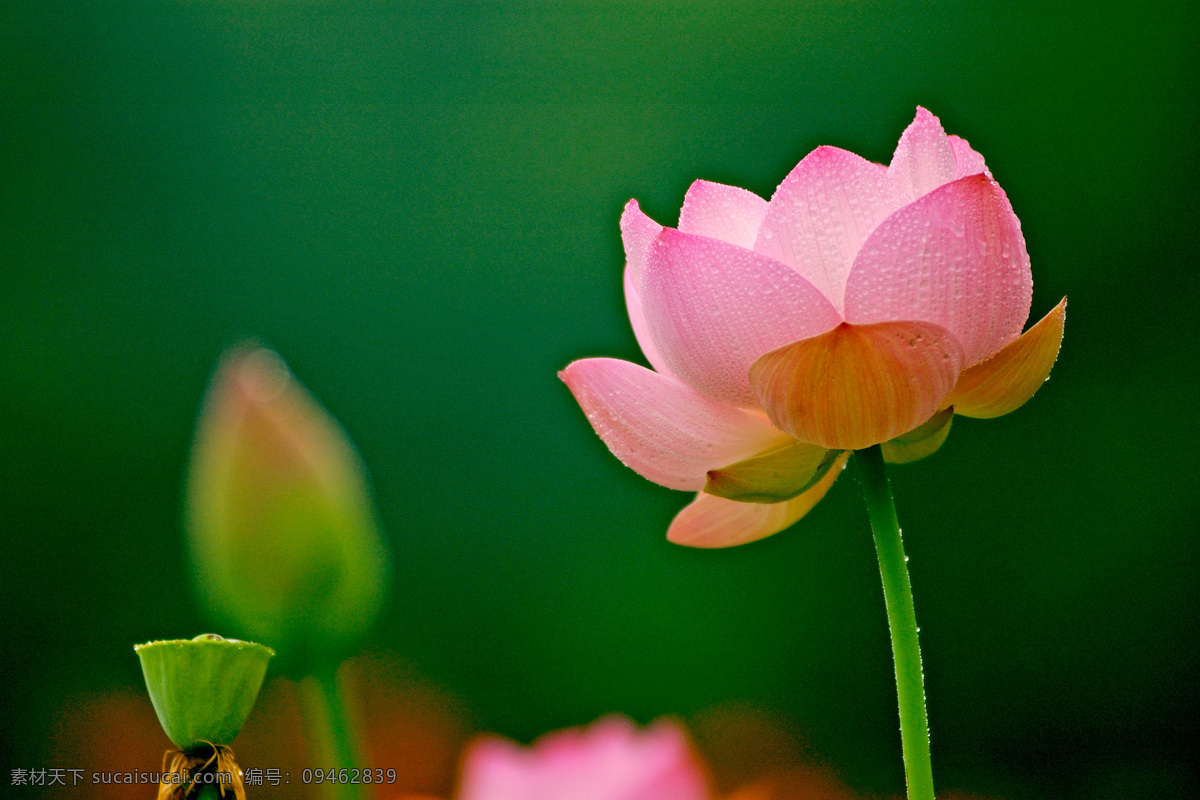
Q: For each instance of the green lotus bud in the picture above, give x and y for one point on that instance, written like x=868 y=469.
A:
x=203 y=688
x=284 y=540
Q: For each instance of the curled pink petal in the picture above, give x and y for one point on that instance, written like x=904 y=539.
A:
x=637 y=231
x=822 y=213
x=612 y=759
x=924 y=157
x=713 y=308
x=637 y=319
x=722 y=212
x=659 y=427
x=956 y=258
x=966 y=161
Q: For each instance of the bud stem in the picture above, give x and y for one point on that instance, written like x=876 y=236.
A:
x=902 y=620
x=332 y=732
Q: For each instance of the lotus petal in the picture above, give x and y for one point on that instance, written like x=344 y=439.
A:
x=611 y=759
x=774 y=476
x=1006 y=380
x=637 y=231
x=924 y=157
x=858 y=385
x=661 y=428
x=822 y=213
x=966 y=161
x=922 y=441
x=955 y=258
x=712 y=308
x=722 y=212
x=637 y=318
x=711 y=521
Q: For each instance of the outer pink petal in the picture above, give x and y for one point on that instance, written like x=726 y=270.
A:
x=924 y=157
x=722 y=212
x=711 y=521
x=637 y=231
x=660 y=428
x=966 y=161
x=713 y=308
x=633 y=304
x=956 y=258
x=822 y=213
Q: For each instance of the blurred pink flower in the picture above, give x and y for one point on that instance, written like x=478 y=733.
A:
x=861 y=305
x=611 y=759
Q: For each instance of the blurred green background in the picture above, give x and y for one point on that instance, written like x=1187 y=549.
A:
x=416 y=204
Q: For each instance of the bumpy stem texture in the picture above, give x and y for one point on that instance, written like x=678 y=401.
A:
x=902 y=619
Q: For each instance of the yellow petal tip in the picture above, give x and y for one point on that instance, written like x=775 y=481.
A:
x=1007 y=380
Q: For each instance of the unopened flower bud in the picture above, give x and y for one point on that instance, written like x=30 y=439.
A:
x=285 y=544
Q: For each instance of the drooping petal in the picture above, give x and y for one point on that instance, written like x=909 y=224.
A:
x=722 y=212
x=711 y=521
x=712 y=308
x=637 y=318
x=637 y=231
x=921 y=442
x=1006 y=380
x=966 y=161
x=858 y=385
x=660 y=428
x=822 y=213
x=924 y=157
x=955 y=258
x=774 y=476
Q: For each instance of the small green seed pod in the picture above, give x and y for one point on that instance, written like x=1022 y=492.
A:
x=203 y=688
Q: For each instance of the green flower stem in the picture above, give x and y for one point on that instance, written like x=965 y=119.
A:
x=902 y=619
x=332 y=731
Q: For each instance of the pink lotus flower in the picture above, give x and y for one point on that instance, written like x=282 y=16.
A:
x=861 y=305
x=609 y=760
